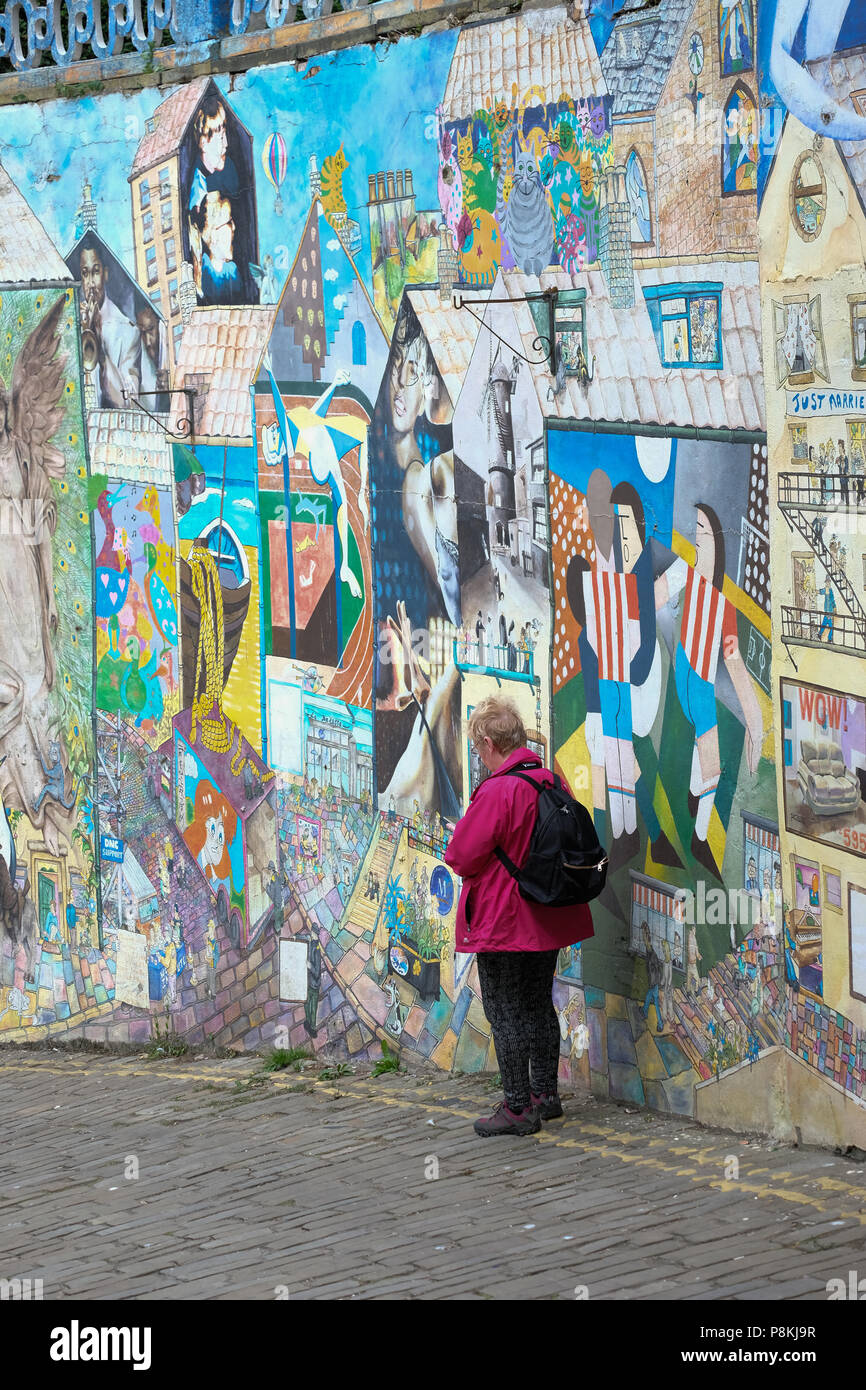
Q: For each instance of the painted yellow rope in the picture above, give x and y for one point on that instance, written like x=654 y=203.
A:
x=218 y=733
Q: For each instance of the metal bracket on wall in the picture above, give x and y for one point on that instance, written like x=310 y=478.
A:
x=186 y=423
x=545 y=343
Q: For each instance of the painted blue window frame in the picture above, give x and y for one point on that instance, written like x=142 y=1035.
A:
x=655 y=294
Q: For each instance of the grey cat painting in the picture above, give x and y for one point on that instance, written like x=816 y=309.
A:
x=525 y=218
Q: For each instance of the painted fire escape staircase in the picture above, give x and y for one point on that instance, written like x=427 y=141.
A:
x=805 y=503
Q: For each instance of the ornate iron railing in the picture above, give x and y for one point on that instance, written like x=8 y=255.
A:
x=67 y=32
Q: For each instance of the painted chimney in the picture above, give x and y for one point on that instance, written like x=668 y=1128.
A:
x=186 y=295
x=381 y=183
x=407 y=184
x=399 y=183
x=371 y=188
x=88 y=209
x=391 y=184
x=614 y=238
x=315 y=178
x=446 y=260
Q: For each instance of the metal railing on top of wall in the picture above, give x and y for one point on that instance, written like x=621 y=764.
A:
x=63 y=34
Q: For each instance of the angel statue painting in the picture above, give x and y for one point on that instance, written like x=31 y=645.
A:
x=33 y=770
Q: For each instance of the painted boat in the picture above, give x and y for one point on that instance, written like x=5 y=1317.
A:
x=236 y=602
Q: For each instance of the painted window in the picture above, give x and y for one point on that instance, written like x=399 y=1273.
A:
x=656 y=905
x=170 y=255
x=570 y=330
x=164 y=183
x=150 y=262
x=799 y=442
x=832 y=890
x=687 y=323
x=147 y=227
x=762 y=868
x=536 y=462
x=857 y=305
x=156 y=299
x=857 y=919
x=740 y=144
x=165 y=221
x=638 y=198
x=359 y=344
x=539 y=523
x=800 y=351
x=144 y=193
x=808 y=196
x=172 y=296
x=736 y=36
x=177 y=334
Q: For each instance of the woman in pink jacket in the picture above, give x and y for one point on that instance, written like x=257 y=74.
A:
x=516 y=941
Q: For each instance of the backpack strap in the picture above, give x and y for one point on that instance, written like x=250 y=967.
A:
x=520 y=771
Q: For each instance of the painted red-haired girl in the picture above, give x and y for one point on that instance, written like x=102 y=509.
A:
x=209 y=835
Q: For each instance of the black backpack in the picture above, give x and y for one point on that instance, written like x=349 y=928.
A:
x=566 y=863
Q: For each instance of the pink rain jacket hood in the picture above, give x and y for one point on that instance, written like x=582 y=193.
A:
x=491 y=914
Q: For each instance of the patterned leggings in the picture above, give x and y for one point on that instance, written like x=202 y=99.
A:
x=517 y=994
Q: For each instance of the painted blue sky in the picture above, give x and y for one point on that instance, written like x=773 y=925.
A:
x=376 y=101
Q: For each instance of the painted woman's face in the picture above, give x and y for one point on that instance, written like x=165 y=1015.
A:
x=407 y=393
x=215 y=838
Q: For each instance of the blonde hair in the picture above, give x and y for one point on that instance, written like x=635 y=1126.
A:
x=498 y=720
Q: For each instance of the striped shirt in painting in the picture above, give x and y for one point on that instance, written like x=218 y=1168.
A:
x=611 y=602
x=707 y=619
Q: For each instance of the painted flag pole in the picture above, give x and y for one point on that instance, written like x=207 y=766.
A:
x=285 y=435
x=338 y=565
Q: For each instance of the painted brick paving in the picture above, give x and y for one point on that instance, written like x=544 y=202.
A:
x=248 y=1182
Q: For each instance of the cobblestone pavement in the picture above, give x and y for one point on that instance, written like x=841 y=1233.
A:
x=249 y=1182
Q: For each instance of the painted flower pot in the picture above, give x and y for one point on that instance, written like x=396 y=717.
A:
x=406 y=961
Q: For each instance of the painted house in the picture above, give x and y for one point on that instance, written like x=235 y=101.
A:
x=135 y=337
x=325 y=353
x=683 y=83
x=193 y=146
x=219 y=356
x=813 y=224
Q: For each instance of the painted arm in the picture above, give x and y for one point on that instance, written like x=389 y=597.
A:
x=742 y=683
x=321 y=406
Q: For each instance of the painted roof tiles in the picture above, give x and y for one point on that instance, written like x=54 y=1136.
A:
x=223 y=345
x=26 y=250
x=629 y=383
x=638 y=55
x=450 y=333
x=541 y=48
x=171 y=119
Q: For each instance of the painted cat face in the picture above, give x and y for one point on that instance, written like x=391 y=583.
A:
x=587 y=174
x=500 y=114
x=464 y=151
x=565 y=136
x=525 y=173
x=597 y=122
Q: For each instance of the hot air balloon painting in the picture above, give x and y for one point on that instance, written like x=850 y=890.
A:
x=275 y=163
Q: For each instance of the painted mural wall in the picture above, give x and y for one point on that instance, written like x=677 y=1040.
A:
x=343 y=424
x=813 y=281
